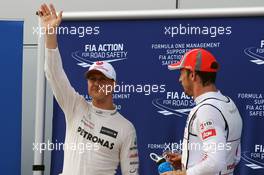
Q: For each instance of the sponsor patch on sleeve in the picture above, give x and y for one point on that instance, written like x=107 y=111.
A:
x=206 y=125
x=208 y=133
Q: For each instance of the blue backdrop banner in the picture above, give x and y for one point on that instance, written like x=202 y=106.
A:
x=11 y=34
x=150 y=96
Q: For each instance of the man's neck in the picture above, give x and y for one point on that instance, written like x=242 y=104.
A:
x=106 y=104
x=199 y=89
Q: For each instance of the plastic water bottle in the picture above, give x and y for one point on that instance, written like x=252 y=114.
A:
x=163 y=165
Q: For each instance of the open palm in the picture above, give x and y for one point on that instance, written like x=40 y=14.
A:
x=49 y=18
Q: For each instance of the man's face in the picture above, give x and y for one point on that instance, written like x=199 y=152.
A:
x=186 y=81
x=99 y=86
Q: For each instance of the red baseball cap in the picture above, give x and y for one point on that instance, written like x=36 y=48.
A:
x=197 y=60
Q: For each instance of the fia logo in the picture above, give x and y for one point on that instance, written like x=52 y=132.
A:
x=175 y=103
x=254 y=159
x=85 y=61
x=256 y=53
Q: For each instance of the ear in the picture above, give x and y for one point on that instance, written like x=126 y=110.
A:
x=193 y=76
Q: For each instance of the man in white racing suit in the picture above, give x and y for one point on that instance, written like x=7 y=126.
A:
x=211 y=143
x=97 y=138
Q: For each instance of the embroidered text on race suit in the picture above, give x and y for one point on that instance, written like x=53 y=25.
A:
x=95 y=139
